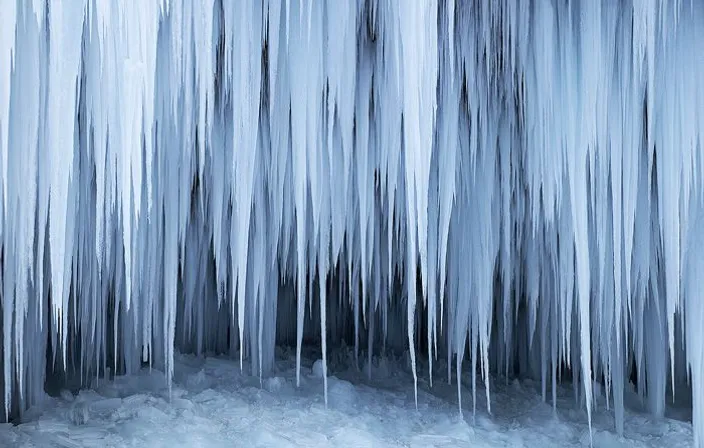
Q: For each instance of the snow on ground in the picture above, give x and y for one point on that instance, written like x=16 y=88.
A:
x=213 y=405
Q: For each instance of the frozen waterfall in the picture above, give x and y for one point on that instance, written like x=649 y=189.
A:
x=509 y=186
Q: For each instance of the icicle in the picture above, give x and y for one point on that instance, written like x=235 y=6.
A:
x=7 y=62
x=246 y=88
x=537 y=164
x=66 y=26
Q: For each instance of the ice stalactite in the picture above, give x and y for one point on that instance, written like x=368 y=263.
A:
x=514 y=185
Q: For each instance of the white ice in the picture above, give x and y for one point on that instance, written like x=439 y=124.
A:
x=504 y=187
x=213 y=405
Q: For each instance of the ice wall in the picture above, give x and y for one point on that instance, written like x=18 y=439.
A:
x=171 y=168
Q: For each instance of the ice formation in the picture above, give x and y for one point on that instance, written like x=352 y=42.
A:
x=519 y=182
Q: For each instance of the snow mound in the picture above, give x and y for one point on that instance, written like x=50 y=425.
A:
x=317 y=370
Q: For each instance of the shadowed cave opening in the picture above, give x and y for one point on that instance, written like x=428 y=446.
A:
x=382 y=330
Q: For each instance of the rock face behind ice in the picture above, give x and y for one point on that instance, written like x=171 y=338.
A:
x=598 y=389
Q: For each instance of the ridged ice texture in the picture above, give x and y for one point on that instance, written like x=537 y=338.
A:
x=522 y=182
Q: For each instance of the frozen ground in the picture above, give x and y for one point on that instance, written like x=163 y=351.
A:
x=213 y=405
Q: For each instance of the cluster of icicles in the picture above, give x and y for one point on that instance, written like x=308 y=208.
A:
x=527 y=176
